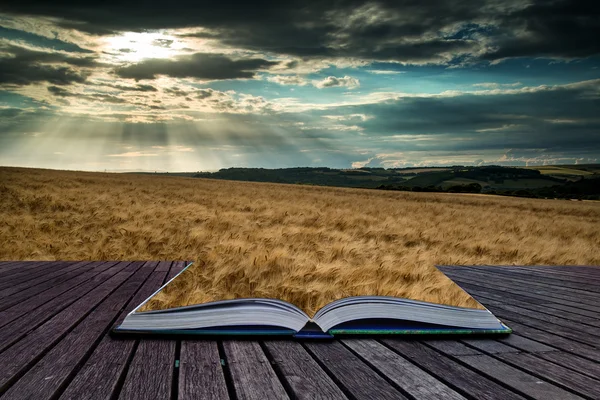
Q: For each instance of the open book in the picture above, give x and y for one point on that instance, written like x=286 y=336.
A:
x=354 y=315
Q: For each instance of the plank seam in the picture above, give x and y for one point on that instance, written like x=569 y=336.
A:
x=226 y=372
x=277 y=369
x=374 y=368
x=329 y=373
x=176 y=369
x=121 y=379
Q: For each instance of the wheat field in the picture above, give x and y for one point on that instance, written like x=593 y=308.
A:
x=307 y=245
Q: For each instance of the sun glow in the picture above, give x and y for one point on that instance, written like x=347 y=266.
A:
x=137 y=46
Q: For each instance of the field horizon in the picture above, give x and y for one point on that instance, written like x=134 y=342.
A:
x=305 y=244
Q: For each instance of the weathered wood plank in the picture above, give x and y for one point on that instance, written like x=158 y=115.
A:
x=554 y=294
x=251 y=372
x=533 y=280
x=19 y=357
x=490 y=346
x=539 y=297
x=303 y=375
x=159 y=379
x=17 y=266
x=26 y=316
x=463 y=379
x=176 y=268
x=52 y=372
x=351 y=373
x=164 y=266
x=407 y=376
x=517 y=379
x=540 y=322
x=21 y=292
x=41 y=278
x=12 y=277
x=451 y=347
x=508 y=375
x=525 y=344
x=583 y=385
x=101 y=373
x=200 y=371
x=558 y=342
x=543 y=277
x=150 y=374
x=573 y=362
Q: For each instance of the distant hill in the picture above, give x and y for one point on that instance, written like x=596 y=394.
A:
x=578 y=181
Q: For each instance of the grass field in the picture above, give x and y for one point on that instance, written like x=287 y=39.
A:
x=557 y=170
x=308 y=245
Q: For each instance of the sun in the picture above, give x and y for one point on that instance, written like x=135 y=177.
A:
x=137 y=46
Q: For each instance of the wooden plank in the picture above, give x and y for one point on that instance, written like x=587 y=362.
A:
x=45 y=379
x=490 y=346
x=538 y=279
x=176 y=268
x=493 y=296
x=19 y=293
x=581 y=274
x=522 y=381
x=20 y=356
x=558 y=342
x=200 y=371
x=525 y=344
x=302 y=374
x=251 y=372
x=29 y=315
x=517 y=379
x=150 y=374
x=41 y=278
x=457 y=376
x=17 y=266
x=573 y=362
x=565 y=280
x=12 y=277
x=581 y=384
x=571 y=310
x=498 y=298
x=539 y=322
x=528 y=287
x=407 y=376
x=451 y=347
x=164 y=266
x=553 y=318
x=102 y=372
x=11 y=265
x=158 y=379
x=473 y=287
x=357 y=379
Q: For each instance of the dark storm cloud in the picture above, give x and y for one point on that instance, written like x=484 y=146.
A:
x=401 y=30
x=553 y=118
x=568 y=28
x=20 y=66
x=199 y=65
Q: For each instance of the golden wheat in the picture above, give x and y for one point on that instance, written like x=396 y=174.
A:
x=307 y=245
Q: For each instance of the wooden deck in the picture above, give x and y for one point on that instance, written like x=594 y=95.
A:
x=54 y=343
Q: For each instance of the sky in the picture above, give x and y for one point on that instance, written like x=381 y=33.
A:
x=189 y=85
